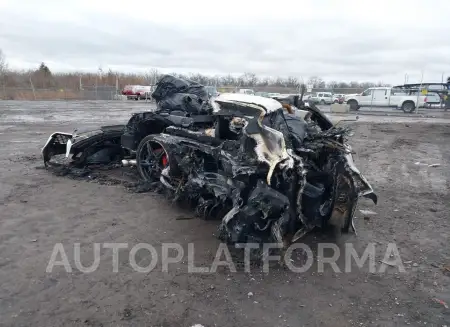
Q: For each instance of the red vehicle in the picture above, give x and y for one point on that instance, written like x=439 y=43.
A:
x=338 y=98
x=137 y=92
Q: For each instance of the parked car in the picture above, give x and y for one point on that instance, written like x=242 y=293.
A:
x=322 y=98
x=271 y=95
x=137 y=92
x=263 y=94
x=247 y=91
x=338 y=98
x=386 y=97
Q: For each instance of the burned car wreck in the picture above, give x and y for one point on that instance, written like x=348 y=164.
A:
x=269 y=173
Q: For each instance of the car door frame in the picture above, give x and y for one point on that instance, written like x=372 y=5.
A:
x=364 y=100
x=380 y=98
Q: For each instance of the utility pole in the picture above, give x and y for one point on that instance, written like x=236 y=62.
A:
x=32 y=88
x=418 y=94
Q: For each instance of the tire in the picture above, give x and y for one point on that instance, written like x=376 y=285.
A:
x=353 y=105
x=408 y=107
x=322 y=102
x=345 y=199
x=148 y=164
x=138 y=97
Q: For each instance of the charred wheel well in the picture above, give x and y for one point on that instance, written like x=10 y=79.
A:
x=150 y=126
x=135 y=133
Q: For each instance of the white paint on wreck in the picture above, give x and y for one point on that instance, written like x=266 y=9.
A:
x=270 y=105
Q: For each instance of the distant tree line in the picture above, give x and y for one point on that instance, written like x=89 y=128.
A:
x=252 y=80
x=43 y=77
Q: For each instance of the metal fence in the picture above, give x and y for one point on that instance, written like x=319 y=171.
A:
x=86 y=93
x=289 y=90
x=107 y=92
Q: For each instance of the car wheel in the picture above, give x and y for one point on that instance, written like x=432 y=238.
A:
x=151 y=159
x=345 y=200
x=322 y=102
x=353 y=105
x=408 y=106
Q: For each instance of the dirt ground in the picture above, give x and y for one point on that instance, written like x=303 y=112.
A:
x=39 y=209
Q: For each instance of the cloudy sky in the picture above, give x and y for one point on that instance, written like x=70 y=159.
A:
x=336 y=40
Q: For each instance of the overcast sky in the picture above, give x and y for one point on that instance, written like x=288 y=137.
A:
x=336 y=40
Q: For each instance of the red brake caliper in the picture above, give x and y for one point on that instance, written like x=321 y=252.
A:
x=164 y=160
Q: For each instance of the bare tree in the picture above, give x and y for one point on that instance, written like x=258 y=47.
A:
x=332 y=84
x=279 y=81
x=228 y=80
x=2 y=61
x=154 y=76
x=43 y=77
x=292 y=81
x=316 y=82
x=343 y=85
x=354 y=84
x=249 y=79
x=3 y=65
x=3 y=69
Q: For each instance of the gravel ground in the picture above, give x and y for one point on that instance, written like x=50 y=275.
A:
x=39 y=209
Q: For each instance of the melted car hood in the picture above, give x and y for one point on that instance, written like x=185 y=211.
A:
x=268 y=104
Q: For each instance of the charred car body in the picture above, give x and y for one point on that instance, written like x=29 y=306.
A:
x=270 y=174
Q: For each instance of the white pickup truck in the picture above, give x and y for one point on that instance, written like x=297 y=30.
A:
x=387 y=97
